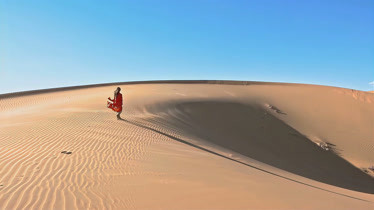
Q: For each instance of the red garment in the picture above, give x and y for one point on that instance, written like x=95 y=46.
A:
x=117 y=103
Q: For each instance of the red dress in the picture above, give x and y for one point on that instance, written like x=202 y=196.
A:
x=117 y=103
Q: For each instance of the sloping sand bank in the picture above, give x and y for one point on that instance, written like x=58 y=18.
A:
x=230 y=145
x=254 y=132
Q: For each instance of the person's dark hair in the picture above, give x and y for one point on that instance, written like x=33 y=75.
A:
x=116 y=91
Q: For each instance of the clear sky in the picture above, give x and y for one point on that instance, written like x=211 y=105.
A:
x=47 y=44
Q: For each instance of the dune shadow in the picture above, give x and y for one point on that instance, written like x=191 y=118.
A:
x=234 y=160
x=253 y=132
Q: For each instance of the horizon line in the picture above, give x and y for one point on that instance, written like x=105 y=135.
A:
x=222 y=82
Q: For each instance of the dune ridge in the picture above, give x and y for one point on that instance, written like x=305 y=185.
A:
x=221 y=82
x=138 y=163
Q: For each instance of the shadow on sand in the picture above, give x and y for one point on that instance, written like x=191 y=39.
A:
x=234 y=160
x=253 y=132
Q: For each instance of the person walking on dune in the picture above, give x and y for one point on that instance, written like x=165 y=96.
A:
x=116 y=103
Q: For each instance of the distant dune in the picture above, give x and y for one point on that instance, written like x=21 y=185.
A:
x=188 y=144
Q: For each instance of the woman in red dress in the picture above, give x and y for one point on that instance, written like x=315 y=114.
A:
x=116 y=103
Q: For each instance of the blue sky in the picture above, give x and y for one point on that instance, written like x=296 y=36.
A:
x=47 y=44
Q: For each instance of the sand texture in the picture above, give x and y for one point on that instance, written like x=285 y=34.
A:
x=188 y=145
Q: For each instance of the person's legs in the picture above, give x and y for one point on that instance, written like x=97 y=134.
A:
x=118 y=115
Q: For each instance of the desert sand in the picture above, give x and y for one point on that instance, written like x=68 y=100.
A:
x=188 y=145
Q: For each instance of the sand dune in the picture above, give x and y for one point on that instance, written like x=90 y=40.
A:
x=216 y=144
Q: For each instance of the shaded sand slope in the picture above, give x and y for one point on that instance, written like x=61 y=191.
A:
x=187 y=146
x=254 y=132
